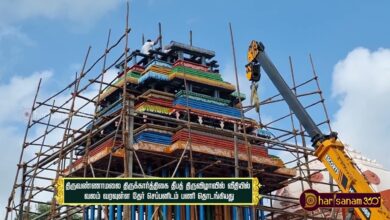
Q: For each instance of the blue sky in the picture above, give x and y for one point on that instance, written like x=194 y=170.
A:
x=327 y=29
x=53 y=37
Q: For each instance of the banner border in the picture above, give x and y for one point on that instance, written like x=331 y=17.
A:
x=60 y=189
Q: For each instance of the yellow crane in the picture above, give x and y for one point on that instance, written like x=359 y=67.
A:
x=328 y=149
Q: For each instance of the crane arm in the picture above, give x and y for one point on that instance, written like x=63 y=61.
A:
x=329 y=150
x=288 y=96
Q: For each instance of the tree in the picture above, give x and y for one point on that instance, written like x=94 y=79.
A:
x=43 y=212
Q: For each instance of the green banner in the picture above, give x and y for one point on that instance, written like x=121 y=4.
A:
x=156 y=191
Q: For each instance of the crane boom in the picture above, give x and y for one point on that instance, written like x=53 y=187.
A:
x=284 y=89
x=329 y=150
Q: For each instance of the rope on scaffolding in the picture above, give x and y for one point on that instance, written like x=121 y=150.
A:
x=255 y=101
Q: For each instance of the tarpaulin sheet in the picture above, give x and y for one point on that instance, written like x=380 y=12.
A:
x=154 y=137
x=210 y=107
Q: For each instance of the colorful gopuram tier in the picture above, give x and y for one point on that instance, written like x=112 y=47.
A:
x=163 y=106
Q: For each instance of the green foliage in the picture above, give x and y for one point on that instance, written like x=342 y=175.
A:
x=77 y=217
x=41 y=209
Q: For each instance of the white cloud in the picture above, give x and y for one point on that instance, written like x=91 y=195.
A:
x=13 y=39
x=12 y=43
x=16 y=96
x=10 y=140
x=81 y=11
x=361 y=84
x=14 y=33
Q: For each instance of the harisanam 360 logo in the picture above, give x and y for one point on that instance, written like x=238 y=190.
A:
x=310 y=200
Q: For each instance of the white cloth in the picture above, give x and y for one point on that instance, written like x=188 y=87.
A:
x=147 y=47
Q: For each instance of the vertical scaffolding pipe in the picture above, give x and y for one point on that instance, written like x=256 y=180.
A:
x=188 y=209
x=89 y=138
x=226 y=212
x=99 y=212
x=177 y=207
x=23 y=189
x=92 y=212
x=131 y=135
x=37 y=163
x=149 y=207
x=327 y=120
x=246 y=213
x=236 y=210
x=132 y=216
x=111 y=212
x=208 y=213
x=301 y=173
x=177 y=212
x=235 y=216
x=201 y=207
x=141 y=212
x=248 y=145
x=86 y=216
x=262 y=216
x=189 y=135
x=170 y=215
x=128 y=139
x=127 y=116
x=11 y=198
x=105 y=212
x=66 y=133
x=164 y=207
x=119 y=212
x=202 y=212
